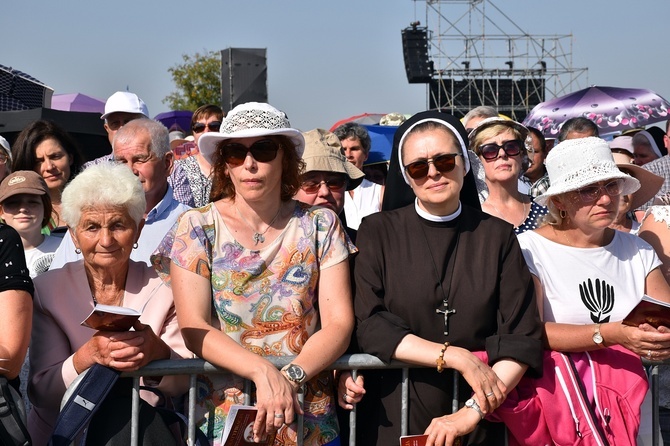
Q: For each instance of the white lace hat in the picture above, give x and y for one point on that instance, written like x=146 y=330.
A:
x=576 y=163
x=251 y=120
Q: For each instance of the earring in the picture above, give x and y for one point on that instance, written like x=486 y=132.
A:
x=135 y=245
x=562 y=213
x=77 y=251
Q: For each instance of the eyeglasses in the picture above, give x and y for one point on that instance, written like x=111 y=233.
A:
x=590 y=194
x=491 y=150
x=333 y=184
x=118 y=123
x=263 y=151
x=213 y=126
x=443 y=163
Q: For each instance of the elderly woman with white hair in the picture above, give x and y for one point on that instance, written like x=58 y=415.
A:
x=104 y=208
x=588 y=277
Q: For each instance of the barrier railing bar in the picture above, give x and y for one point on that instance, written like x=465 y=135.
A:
x=353 y=362
x=135 y=411
x=352 y=414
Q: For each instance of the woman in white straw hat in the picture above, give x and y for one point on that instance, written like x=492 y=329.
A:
x=255 y=258
x=587 y=276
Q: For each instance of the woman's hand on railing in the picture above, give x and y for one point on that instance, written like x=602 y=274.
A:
x=447 y=430
x=276 y=401
x=349 y=392
x=489 y=389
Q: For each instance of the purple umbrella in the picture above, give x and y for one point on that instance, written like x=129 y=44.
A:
x=182 y=118
x=77 y=102
x=612 y=109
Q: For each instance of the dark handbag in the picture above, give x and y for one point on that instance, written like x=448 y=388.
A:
x=13 y=431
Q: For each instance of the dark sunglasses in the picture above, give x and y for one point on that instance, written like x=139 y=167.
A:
x=263 y=151
x=491 y=150
x=334 y=184
x=443 y=163
x=590 y=194
x=213 y=126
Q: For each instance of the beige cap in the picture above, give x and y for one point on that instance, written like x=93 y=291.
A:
x=323 y=153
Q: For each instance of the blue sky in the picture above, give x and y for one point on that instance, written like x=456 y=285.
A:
x=326 y=60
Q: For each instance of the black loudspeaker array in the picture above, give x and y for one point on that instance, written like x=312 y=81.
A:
x=418 y=67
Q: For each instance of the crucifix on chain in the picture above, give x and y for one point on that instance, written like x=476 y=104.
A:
x=447 y=312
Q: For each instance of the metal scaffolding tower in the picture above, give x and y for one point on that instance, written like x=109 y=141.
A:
x=480 y=56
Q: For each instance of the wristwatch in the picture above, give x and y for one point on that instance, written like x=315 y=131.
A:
x=597 y=337
x=294 y=373
x=472 y=404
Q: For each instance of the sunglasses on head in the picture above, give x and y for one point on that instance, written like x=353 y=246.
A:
x=491 y=150
x=213 y=126
x=443 y=163
x=263 y=151
x=334 y=184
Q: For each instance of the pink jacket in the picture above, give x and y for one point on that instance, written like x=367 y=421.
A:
x=62 y=300
x=554 y=410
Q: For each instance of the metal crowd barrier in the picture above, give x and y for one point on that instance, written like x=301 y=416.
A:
x=355 y=363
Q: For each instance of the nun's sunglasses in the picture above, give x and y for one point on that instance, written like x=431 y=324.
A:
x=443 y=163
x=490 y=151
x=263 y=151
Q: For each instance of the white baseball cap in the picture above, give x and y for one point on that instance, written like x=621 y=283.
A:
x=125 y=102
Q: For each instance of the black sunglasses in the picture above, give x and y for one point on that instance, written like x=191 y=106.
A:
x=213 y=126
x=490 y=151
x=443 y=163
x=334 y=184
x=263 y=151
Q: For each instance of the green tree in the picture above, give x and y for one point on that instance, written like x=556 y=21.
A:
x=198 y=81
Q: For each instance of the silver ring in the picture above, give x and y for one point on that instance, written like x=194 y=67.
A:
x=279 y=415
x=649 y=354
x=489 y=394
x=344 y=397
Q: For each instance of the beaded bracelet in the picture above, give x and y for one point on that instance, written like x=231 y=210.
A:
x=440 y=359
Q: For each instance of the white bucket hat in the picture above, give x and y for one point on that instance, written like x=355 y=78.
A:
x=576 y=163
x=251 y=120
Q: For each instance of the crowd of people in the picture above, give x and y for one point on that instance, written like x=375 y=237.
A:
x=495 y=259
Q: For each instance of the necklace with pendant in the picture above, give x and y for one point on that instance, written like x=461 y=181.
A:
x=259 y=237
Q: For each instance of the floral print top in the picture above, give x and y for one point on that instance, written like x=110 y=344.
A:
x=265 y=299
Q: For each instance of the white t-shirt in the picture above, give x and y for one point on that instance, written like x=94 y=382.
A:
x=39 y=259
x=589 y=285
x=366 y=201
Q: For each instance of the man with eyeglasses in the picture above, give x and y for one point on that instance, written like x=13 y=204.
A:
x=123 y=107
x=144 y=146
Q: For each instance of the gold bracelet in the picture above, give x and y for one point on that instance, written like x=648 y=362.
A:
x=440 y=359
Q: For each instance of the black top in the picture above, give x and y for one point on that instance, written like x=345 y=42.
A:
x=397 y=293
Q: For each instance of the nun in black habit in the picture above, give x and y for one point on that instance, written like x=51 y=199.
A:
x=437 y=280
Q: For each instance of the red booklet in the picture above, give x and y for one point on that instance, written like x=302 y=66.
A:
x=413 y=440
x=238 y=430
x=651 y=311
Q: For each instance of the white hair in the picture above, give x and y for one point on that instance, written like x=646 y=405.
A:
x=105 y=184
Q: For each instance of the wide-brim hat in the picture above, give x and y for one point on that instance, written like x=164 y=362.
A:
x=650 y=183
x=251 y=120
x=323 y=153
x=23 y=182
x=176 y=139
x=576 y=163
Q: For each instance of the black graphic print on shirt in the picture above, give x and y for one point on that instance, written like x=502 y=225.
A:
x=598 y=299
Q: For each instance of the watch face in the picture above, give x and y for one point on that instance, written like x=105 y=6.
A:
x=295 y=373
x=597 y=338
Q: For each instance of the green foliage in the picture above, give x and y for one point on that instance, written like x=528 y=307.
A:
x=198 y=81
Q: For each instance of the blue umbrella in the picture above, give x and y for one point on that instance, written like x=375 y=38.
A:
x=180 y=117
x=381 y=137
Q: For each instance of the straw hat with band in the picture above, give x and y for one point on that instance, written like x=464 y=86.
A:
x=650 y=183
x=251 y=120
x=323 y=153
x=576 y=163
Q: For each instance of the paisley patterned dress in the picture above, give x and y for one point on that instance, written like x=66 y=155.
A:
x=266 y=300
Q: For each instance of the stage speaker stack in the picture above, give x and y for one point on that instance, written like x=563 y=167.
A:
x=418 y=66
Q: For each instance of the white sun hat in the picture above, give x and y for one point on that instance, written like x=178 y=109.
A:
x=576 y=163
x=251 y=120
